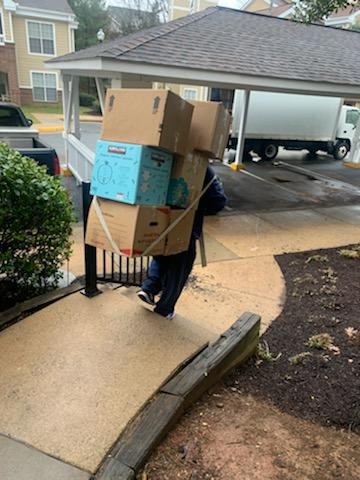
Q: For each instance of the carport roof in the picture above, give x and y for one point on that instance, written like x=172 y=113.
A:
x=231 y=42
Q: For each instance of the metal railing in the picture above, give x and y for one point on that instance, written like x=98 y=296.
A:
x=103 y=266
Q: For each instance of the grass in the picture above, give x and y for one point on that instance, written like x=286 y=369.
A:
x=30 y=111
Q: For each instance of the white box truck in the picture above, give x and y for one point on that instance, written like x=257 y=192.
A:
x=295 y=122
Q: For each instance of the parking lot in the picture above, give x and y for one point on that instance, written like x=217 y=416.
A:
x=294 y=181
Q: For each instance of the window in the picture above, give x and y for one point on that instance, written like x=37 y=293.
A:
x=41 y=38
x=10 y=117
x=352 y=116
x=2 y=33
x=190 y=94
x=44 y=87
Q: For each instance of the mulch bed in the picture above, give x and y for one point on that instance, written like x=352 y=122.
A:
x=293 y=411
x=318 y=384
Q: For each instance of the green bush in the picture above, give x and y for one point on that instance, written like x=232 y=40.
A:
x=35 y=225
x=86 y=100
x=96 y=108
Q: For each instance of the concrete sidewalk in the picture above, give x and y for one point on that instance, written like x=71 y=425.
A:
x=77 y=371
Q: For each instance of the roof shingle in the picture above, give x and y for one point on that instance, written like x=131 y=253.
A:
x=225 y=40
x=51 y=5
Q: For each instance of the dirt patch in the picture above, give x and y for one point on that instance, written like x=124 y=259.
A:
x=293 y=412
x=230 y=435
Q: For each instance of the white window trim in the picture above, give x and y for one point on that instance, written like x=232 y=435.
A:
x=2 y=21
x=44 y=72
x=28 y=39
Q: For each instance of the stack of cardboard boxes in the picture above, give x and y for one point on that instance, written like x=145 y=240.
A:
x=150 y=166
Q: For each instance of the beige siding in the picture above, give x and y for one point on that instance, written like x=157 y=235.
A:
x=182 y=3
x=205 y=4
x=256 y=6
x=26 y=61
x=6 y=23
x=178 y=13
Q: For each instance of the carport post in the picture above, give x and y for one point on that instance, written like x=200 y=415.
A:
x=238 y=164
x=354 y=160
x=76 y=105
x=65 y=99
x=101 y=93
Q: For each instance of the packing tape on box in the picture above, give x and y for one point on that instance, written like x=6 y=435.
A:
x=146 y=252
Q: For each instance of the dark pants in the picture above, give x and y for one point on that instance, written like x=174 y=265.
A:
x=169 y=275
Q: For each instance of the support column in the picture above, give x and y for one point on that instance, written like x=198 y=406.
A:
x=238 y=164
x=65 y=100
x=76 y=106
x=354 y=160
x=101 y=93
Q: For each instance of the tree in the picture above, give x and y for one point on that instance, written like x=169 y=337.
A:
x=314 y=10
x=133 y=15
x=91 y=15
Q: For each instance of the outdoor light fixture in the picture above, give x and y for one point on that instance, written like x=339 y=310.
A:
x=100 y=35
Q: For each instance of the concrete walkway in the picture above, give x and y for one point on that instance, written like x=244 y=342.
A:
x=77 y=371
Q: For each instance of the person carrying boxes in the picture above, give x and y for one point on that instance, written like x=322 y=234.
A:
x=169 y=274
x=148 y=184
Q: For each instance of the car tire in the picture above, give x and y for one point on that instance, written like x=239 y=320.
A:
x=341 y=149
x=269 y=151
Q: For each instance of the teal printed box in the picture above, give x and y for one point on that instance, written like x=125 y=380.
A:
x=131 y=173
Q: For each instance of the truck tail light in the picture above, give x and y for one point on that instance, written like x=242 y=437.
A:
x=56 y=165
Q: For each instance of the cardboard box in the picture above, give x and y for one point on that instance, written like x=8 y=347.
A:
x=158 y=118
x=131 y=173
x=178 y=238
x=133 y=228
x=210 y=126
x=186 y=179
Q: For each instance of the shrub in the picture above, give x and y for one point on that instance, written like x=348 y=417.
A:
x=96 y=108
x=35 y=225
x=86 y=100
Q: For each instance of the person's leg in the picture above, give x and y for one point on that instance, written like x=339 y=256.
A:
x=174 y=277
x=152 y=284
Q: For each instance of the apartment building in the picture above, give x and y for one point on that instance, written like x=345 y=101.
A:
x=31 y=32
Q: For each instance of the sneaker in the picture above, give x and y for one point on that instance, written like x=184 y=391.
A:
x=146 y=297
x=169 y=316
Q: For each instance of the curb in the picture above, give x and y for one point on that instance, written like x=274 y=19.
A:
x=50 y=129
x=66 y=172
x=160 y=414
x=351 y=164
x=11 y=316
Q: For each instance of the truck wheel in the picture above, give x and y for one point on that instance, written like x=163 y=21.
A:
x=341 y=149
x=269 y=151
x=312 y=151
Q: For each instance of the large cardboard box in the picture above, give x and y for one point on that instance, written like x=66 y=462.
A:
x=186 y=179
x=178 y=238
x=158 y=118
x=210 y=126
x=133 y=228
x=131 y=173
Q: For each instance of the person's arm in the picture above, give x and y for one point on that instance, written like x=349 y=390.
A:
x=214 y=199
